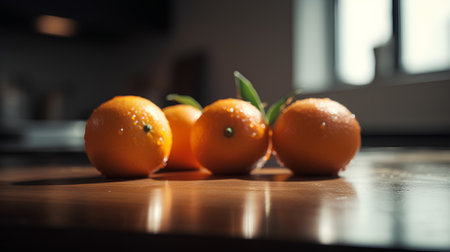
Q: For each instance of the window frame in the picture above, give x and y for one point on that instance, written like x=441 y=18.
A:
x=399 y=75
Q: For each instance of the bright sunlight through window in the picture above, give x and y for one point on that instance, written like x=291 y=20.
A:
x=425 y=35
x=362 y=25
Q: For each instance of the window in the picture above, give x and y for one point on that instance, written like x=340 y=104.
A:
x=362 y=25
x=425 y=38
x=354 y=42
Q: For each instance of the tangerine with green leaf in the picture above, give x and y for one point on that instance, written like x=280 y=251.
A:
x=231 y=137
x=311 y=136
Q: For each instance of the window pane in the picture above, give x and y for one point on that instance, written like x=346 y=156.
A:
x=362 y=25
x=425 y=35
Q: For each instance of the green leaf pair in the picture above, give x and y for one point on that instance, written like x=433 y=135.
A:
x=246 y=92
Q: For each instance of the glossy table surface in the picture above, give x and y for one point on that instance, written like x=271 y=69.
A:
x=387 y=198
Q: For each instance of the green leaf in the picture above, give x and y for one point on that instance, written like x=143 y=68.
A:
x=275 y=110
x=247 y=92
x=184 y=99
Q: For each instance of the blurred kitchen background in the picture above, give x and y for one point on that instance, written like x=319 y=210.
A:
x=388 y=61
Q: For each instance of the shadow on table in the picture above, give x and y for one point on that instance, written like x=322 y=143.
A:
x=71 y=181
x=271 y=174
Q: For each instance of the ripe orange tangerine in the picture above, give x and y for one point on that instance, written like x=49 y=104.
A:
x=316 y=137
x=127 y=136
x=230 y=137
x=181 y=119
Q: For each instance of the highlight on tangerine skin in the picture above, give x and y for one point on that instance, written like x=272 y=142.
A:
x=127 y=136
x=316 y=137
x=231 y=137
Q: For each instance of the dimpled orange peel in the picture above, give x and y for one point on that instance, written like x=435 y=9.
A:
x=230 y=137
x=127 y=136
x=316 y=137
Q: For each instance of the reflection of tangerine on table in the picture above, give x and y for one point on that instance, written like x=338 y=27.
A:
x=199 y=174
x=159 y=211
x=127 y=136
x=259 y=209
x=316 y=137
x=181 y=119
x=323 y=207
x=230 y=137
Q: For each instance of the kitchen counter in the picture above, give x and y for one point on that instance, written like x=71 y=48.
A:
x=387 y=198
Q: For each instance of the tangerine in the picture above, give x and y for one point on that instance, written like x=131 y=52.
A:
x=230 y=137
x=127 y=136
x=181 y=118
x=316 y=137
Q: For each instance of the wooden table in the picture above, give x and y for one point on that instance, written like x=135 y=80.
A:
x=387 y=198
